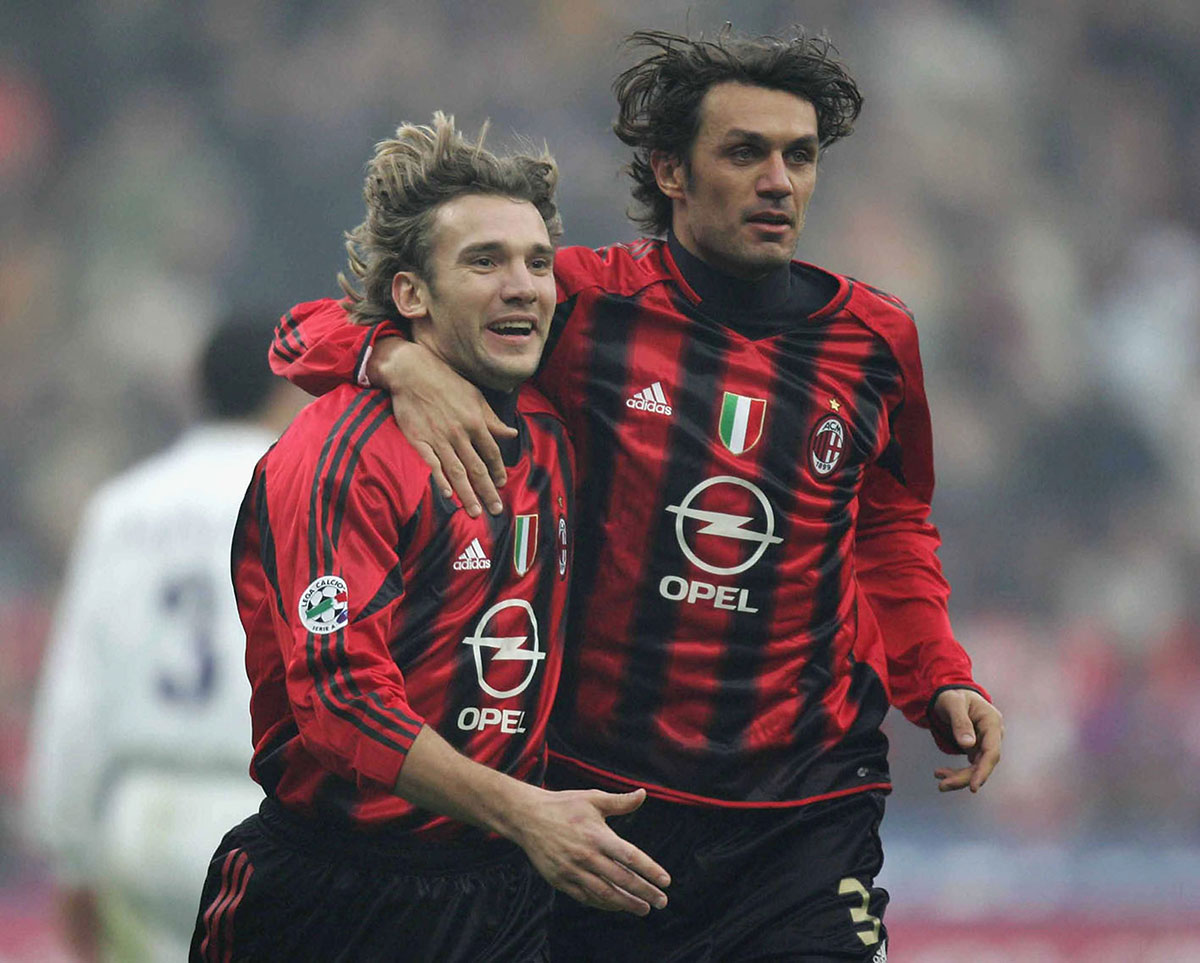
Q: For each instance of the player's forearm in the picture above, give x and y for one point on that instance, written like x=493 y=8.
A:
x=439 y=778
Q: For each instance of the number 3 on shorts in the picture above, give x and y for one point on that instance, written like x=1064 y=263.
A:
x=860 y=914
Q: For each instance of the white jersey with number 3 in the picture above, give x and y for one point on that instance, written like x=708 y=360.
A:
x=141 y=739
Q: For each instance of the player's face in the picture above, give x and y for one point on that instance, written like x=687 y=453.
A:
x=487 y=311
x=740 y=204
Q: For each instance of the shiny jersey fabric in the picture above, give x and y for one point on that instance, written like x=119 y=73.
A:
x=373 y=605
x=757 y=578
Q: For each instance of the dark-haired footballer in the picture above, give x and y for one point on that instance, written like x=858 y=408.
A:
x=756 y=576
x=403 y=655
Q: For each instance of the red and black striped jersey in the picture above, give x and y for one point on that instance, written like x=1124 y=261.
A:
x=372 y=605
x=756 y=575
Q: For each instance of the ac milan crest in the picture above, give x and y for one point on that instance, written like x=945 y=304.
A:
x=827 y=445
x=562 y=546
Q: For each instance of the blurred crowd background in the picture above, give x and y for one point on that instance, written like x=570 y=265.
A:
x=1026 y=175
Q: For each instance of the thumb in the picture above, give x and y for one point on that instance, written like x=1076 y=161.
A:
x=963 y=728
x=619 y=803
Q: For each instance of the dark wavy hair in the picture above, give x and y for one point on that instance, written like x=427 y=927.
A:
x=659 y=97
x=408 y=179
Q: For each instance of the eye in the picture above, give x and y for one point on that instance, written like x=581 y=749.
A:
x=541 y=264
x=743 y=153
x=800 y=157
x=483 y=261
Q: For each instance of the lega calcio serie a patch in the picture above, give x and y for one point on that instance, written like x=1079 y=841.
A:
x=324 y=606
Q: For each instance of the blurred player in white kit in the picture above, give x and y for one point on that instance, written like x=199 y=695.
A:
x=141 y=743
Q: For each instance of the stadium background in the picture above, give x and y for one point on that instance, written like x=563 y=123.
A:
x=1026 y=175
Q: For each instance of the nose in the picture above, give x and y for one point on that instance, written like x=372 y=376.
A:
x=773 y=181
x=518 y=284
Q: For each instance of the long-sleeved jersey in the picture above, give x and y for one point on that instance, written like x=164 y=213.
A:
x=373 y=605
x=756 y=574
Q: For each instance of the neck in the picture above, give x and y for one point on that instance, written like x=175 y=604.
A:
x=763 y=293
x=504 y=404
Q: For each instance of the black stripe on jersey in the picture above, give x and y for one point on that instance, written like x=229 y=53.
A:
x=701 y=370
x=796 y=358
x=326 y=684
x=266 y=539
x=463 y=689
x=316 y=561
x=892 y=459
x=547 y=574
x=392 y=586
x=841 y=303
x=640 y=248
x=612 y=320
x=880 y=375
x=376 y=412
x=430 y=577
x=814 y=726
x=558 y=324
x=339 y=508
x=288 y=344
x=891 y=299
x=270 y=762
x=336 y=799
x=339 y=638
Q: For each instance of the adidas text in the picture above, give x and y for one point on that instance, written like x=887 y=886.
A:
x=471 y=564
x=641 y=404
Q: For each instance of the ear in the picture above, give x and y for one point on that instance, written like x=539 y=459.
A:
x=410 y=295
x=669 y=173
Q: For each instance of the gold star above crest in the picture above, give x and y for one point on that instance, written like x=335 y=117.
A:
x=835 y=404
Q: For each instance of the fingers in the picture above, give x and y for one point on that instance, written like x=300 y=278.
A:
x=474 y=481
x=951 y=780
x=573 y=847
x=991 y=736
x=462 y=472
x=983 y=760
x=611 y=884
x=598 y=892
x=484 y=447
x=425 y=450
x=639 y=874
x=455 y=433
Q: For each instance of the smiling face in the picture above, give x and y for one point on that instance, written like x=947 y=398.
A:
x=739 y=201
x=485 y=308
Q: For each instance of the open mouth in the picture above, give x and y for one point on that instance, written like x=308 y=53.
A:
x=512 y=327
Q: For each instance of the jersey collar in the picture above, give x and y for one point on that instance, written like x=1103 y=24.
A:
x=722 y=291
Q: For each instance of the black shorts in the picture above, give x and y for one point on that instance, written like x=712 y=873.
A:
x=747 y=886
x=281 y=888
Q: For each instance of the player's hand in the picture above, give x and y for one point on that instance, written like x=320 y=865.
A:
x=978 y=729
x=570 y=844
x=445 y=418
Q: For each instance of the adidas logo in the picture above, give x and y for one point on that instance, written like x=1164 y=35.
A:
x=650 y=399
x=472 y=558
